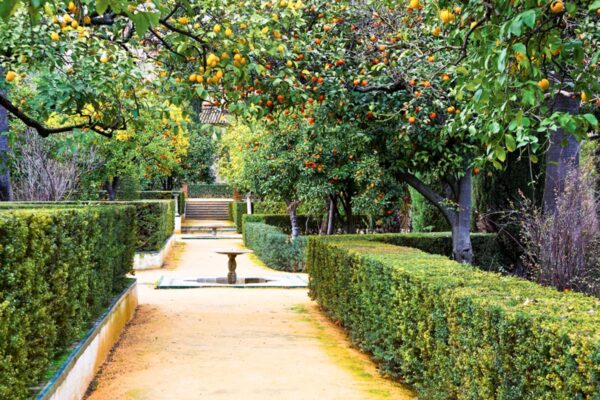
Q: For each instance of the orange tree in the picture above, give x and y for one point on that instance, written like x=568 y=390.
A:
x=447 y=87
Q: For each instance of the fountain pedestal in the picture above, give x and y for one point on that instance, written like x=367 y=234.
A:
x=232 y=264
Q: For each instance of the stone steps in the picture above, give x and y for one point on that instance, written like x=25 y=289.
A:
x=208 y=209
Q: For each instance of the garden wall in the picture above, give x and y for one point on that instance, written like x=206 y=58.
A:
x=59 y=269
x=454 y=331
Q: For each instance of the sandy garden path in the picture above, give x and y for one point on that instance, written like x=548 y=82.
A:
x=233 y=343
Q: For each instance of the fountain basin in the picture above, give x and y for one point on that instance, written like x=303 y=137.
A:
x=287 y=281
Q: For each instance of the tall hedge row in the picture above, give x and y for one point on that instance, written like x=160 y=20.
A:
x=59 y=268
x=456 y=332
x=155 y=218
x=275 y=248
x=210 y=190
x=237 y=210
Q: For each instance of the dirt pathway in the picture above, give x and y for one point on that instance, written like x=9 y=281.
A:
x=233 y=343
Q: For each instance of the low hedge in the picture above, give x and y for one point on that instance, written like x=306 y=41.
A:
x=307 y=224
x=210 y=190
x=275 y=248
x=59 y=269
x=488 y=252
x=155 y=218
x=456 y=332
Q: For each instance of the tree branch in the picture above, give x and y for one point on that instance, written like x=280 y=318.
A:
x=396 y=86
x=45 y=131
x=432 y=196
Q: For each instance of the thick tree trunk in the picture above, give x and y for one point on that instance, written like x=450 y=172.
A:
x=459 y=219
x=111 y=188
x=6 y=193
x=462 y=249
x=294 y=219
x=562 y=156
x=331 y=215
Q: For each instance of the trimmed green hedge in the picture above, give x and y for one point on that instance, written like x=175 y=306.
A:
x=155 y=218
x=237 y=210
x=283 y=222
x=275 y=248
x=210 y=190
x=59 y=269
x=488 y=253
x=456 y=332
x=165 y=195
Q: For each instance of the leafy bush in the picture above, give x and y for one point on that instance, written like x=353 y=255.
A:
x=237 y=210
x=155 y=219
x=165 y=195
x=453 y=331
x=488 y=252
x=59 y=268
x=282 y=221
x=274 y=247
x=210 y=190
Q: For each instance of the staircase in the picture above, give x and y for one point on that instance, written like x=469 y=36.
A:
x=207 y=209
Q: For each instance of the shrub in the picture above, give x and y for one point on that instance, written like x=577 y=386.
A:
x=210 y=190
x=488 y=252
x=59 y=268
x=307 y=224
x=164 y=195
x=453 y=331
x=562 y=249
x=237 y=210
x=155 y=219
x=275 y=248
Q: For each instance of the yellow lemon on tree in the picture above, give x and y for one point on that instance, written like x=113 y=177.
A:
x=54 y=36
x=290 y=64
x=74 y=24
x=192 y=78
x=436 y=31
x=11 y=76
x=72 y=7
x=584 y=97
x=543 y=84
x=104 y=59
x=217 y=28
x=87 y=20
x=414 y=4
x=183 y=20
x=228 y=32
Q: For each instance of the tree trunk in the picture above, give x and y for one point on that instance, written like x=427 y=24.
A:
x=6 y=193
x=562 y=156
x=331 y=215
x=462 y=249
x=111 y=188
x=459 y=219
x=294 y=219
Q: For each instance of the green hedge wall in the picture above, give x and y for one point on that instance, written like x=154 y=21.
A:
x=274 y=247
x=165 y=195
x=488 y=252
x=59 y=269
x=237 y=210
x=283 y=222
x=453 y=331
x=210 y=190
x=155 y=218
